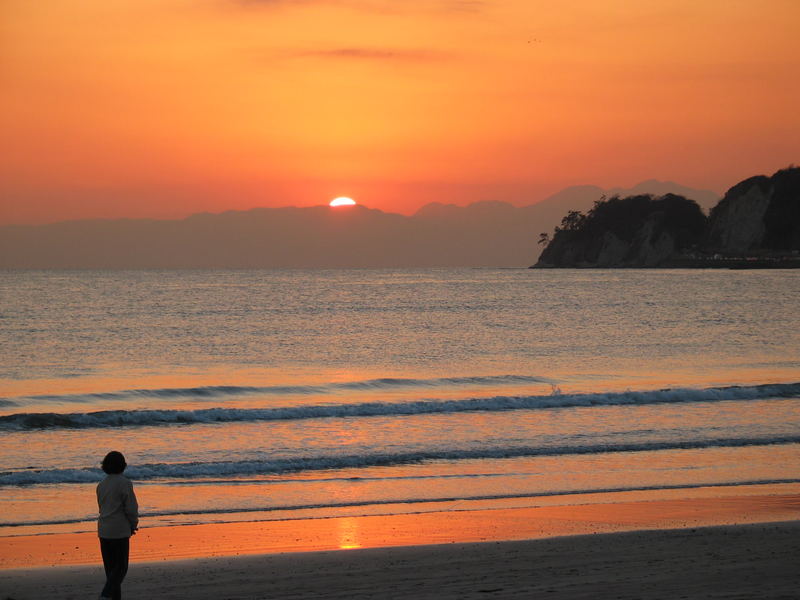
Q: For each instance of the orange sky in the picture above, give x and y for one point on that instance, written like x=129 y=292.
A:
x=162 y=108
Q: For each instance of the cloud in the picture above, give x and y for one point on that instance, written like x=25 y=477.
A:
x=373 y=54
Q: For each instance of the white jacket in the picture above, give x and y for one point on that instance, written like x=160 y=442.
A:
x=119 y=511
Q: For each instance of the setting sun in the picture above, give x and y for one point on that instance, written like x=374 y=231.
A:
x=343 y=201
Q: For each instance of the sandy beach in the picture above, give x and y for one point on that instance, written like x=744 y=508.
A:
x=702 y=547
x=746 y=561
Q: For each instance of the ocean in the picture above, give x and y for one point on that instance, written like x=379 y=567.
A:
x=273 y=395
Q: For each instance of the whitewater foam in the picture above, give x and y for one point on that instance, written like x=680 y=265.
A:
x=327 y=462
x=138 y=418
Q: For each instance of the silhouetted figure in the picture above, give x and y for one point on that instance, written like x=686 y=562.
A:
x=118 y=521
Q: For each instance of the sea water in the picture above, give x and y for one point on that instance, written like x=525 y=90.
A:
x=258 y=395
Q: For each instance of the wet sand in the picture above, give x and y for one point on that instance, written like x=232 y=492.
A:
x=639 y=549
x=746 y=561
x=458 y=522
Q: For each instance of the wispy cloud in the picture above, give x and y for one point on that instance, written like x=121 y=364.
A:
x=373 y=54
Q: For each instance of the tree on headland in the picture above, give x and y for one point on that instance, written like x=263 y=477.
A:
x=755 y=225
x=574 y=221
x=624 y=216
x=626 y=231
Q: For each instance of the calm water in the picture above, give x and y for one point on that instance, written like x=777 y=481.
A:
x=281 y=394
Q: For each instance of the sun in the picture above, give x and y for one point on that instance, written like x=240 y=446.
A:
x=342 y=201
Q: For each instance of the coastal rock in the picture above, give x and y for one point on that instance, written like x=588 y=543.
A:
x=638 y=231
x=760 y=214
x=737 y=222
x=612 y=250
x=653 y=245
x=756 y=224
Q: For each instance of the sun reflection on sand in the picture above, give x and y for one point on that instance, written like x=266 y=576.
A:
x=348 y=532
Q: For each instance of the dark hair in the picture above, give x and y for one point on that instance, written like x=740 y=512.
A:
x=114 y=463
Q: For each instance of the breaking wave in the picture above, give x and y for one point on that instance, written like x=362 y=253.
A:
x=193 y=470
x=222 y=391
x=138 y=418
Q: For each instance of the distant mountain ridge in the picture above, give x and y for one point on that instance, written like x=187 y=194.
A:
x=482 y=234
x=756 y=224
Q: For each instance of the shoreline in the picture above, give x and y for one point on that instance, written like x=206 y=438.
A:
x=457 y=524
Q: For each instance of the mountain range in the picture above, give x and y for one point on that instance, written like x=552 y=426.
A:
x=482 y=234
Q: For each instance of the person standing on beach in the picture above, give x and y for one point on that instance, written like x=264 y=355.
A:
x=118 y=521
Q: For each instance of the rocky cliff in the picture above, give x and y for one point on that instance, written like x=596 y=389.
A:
x=760 y=214
x=757 y=220
x=638 y=231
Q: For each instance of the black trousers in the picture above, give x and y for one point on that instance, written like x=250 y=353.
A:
x=115 y=562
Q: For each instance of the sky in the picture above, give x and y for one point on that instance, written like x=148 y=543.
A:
x=164 y=108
